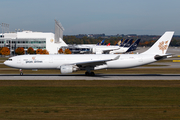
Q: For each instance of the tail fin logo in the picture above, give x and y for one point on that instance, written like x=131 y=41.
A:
x=163 y=46
x=119 y=42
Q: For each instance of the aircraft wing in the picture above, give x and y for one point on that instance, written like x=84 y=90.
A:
x=94 y=63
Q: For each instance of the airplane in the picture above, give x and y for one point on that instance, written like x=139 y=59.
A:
x=107 y=49
x=112 y=49
x=68 y=63
x=126 y=48
x=101 y=49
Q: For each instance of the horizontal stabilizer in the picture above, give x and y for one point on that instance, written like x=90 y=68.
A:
x=159 y=57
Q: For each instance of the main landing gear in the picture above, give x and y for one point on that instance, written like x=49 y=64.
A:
x=21 y=72
x=89 y=73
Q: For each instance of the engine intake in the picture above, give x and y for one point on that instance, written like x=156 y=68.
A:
x=68 y=69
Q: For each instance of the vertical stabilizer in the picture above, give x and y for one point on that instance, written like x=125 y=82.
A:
x=161 y=45
x=120 y=42
x=58 y=31
x=133 y=46
x=124 y=42
x=128 y=44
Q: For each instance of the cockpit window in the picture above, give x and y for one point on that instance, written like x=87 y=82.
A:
x=9 y=59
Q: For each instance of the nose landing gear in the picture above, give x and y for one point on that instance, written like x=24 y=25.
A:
x=21 y=72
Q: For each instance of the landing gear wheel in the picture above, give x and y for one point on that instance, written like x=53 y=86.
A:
x=92 y=74
x=87 y=73
x=21 y=74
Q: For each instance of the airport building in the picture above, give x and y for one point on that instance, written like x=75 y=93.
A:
x=37 y=40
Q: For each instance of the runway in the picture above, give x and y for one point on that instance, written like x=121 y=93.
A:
x=96 y=77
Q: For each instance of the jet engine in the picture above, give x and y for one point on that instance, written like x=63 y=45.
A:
x=68 y=69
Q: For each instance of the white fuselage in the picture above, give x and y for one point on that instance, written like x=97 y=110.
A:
x=56 y=61
x=120 y=50
x=100 y=49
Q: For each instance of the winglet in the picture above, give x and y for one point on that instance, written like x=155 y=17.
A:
x=116 y=58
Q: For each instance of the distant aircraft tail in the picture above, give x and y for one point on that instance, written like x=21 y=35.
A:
x=108 y=44
x=101 y=43
x=161 y=45
x=134 y=45
x=128 y=44
x=120 y=42
x=124 y=42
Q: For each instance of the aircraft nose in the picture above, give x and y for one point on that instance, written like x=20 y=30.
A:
x=5 y=62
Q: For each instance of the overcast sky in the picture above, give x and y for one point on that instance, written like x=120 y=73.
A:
x=152 y=17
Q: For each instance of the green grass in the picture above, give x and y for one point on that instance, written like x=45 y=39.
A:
x=97 y=100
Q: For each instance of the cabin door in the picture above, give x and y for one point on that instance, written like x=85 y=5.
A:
x=19 y=60
x=140 y=59
x=51 y=60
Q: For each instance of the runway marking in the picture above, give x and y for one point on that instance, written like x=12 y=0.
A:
x=176 y=60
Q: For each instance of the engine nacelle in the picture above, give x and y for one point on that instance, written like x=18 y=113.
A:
x=68 y=69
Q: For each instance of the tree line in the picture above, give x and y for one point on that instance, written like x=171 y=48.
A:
x=145 y=41
x=20 y=51
x=88 y=40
